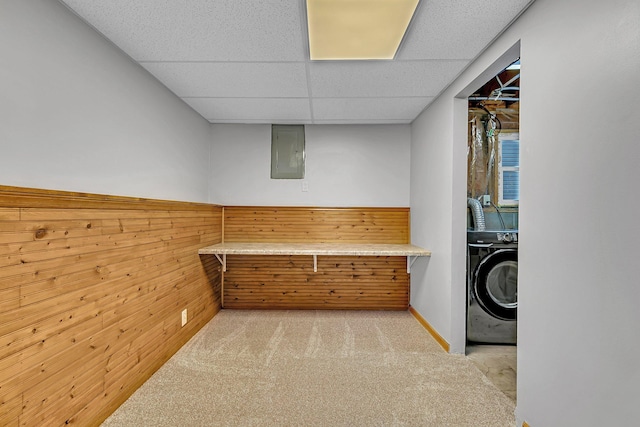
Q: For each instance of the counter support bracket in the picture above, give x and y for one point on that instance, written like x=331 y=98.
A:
x=223 y=261
x=410 y=262
x=220 y=251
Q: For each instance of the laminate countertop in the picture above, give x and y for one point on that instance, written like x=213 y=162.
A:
x=348 y=249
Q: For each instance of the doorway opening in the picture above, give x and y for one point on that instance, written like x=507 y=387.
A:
x=493 y=194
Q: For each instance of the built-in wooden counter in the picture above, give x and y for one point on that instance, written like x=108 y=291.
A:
x=284 y=257
x=314 y=250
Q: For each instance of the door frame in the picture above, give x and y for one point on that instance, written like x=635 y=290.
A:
x=459 y=184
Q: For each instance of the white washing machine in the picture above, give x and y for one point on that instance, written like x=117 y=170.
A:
x=492 y=286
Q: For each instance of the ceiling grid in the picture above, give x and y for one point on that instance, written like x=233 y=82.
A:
x=242 y=61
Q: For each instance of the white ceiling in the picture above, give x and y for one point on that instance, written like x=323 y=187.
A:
x=247 y=61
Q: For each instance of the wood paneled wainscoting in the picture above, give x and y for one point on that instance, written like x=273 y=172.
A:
x=340 y=282
x=315 y=225
x=92 y=289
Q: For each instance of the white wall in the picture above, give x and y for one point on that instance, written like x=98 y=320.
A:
x=578 y=268
x=77 y=114
x=346 y=165
x=431 y=210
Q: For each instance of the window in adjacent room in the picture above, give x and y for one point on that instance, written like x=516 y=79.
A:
x=508 y=169
x=287 y=152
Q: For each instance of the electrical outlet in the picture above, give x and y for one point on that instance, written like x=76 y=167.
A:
x=305 y=186
x=486 y=200
x=184 y=317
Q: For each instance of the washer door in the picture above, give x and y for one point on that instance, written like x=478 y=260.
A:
x=496 y=284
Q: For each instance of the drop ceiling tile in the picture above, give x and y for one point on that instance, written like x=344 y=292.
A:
x=199 y=30
x=382 y=78
x=246 y=61
x=368 y=108
x=252 y=110
x=236 y=79
x=457 y=29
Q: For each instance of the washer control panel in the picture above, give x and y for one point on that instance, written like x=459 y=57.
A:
x=487 y=237
x=507 y=237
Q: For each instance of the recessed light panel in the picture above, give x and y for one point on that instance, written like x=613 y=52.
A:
x=357 y=29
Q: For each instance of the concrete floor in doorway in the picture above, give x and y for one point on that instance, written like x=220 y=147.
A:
x=498 y=363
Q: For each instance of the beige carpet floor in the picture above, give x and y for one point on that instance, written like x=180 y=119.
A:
x=315 y=368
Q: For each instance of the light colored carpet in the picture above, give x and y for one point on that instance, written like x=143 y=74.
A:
x=315 y=368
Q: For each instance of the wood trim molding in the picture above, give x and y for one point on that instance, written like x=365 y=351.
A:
x=321 y=208
x=222 y=222
x=23 y=197
x=443 y=343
